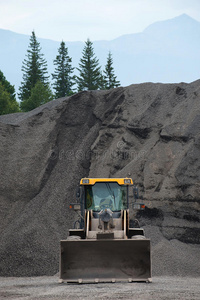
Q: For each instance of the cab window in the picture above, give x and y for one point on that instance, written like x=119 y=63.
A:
x=103 y=195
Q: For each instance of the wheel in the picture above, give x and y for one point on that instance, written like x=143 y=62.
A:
x=138 y=237
x=73 y=238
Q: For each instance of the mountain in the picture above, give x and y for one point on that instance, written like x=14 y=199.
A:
x=166 y=51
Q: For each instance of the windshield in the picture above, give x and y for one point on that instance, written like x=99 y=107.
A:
x=103 y=195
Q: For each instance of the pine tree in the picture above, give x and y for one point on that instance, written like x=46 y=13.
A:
x=102 y=83
x=34 y=69
x=7 y=103
x=89 y=70
x=40 y=94
x=110 y=78
x=63 y=73
x=8 y=87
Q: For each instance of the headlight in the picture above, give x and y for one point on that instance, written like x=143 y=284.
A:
x=85 y=181
x=127 y=181
x=75 y=206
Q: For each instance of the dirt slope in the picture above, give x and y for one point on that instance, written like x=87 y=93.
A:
x=150 y=132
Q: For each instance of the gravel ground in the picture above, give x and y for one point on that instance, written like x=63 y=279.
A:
x=183 y=288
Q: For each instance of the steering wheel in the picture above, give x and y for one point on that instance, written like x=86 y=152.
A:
x=103 y=204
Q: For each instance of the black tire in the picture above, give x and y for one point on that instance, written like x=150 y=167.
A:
x=73 y=238
x=138 y=237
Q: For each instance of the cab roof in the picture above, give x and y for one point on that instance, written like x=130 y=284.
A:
x=120 y=181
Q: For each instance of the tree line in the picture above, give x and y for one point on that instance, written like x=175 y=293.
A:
x=35 y=87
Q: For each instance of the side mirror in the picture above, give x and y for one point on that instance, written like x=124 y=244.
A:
x=135 y=193
x=78 y=192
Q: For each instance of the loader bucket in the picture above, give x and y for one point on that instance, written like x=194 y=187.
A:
x=105 y=260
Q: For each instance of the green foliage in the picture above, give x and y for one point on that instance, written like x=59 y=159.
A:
x=8 y=104
x=63 y=73
x=90 y=77
x=40 y=94
x=35 y=90
x=8 y=87
x=109 y=77
x=102 y=82
x=34 y=69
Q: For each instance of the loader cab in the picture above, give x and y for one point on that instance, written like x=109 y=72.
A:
x=100 y=194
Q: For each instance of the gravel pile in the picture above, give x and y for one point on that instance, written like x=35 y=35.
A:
x=150 y=132
x=172 y=257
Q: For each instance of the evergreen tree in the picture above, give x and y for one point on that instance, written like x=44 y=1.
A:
x=102 y=83
x=89 y=70
x=63 y=73
x=34 y=69
x=110 y=78
x=7 y=103
x=8 y=87
x=40 y=94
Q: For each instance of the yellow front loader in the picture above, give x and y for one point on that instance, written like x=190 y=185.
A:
x=104 y=248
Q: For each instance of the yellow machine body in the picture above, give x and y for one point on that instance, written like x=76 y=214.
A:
x=105 y=249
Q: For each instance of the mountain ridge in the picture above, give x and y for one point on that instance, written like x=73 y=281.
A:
x=165 y=51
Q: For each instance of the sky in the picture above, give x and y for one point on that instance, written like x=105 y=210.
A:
x=77 y=20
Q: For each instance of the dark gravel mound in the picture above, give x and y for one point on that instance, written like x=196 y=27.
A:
x=150 y=132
